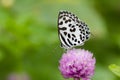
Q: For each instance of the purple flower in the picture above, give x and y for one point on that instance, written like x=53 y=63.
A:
x=77 y=64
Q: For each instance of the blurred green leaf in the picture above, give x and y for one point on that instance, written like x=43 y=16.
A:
x=115 y=69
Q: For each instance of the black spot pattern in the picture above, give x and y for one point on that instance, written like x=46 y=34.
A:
x=73 y=35
x=73 y=14
x=80 y=37
x=72 y=29
x=79 y=25
x=80 y=30
x=75 y=44
x=60 y=17
x=82 y=40
x=64 y=18
x=87 y=37
x=74 y=32
x=63 y=28
x=83 y=33
x=61 y=23
x=65 y=33
x=72 y=38
x=69 y=20
x=87 y=32
x=75 y=40
x=66 y=21
x=83 y=37
x=82 y=27
x=69 y=42
x=69 y=36
x=83 y=30
x=76 y=24
x=73 y=26
x=69 y=25
x=64 y=41
x=73 y=19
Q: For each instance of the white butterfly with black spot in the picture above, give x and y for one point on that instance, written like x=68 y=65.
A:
x=71 y=30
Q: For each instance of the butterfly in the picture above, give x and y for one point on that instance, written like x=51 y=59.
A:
x=72 y=31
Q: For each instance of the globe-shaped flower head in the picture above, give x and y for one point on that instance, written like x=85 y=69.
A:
x=77 y=64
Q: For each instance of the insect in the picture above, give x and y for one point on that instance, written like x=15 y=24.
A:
x=71 y=30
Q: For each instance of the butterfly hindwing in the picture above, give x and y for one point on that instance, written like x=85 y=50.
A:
x=72 y=31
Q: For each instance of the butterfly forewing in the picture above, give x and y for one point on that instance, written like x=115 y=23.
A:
x=71 y=30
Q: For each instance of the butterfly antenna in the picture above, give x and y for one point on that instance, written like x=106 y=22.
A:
x=57 y=50
x=92 y=35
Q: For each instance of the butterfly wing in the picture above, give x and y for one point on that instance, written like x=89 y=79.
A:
x=72 y=31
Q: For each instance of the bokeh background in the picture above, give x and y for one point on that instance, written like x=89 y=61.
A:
x=29 y=43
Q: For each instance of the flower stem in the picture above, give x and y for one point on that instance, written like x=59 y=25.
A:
x=76 y=78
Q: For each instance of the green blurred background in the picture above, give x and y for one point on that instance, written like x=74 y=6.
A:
x=29 y=40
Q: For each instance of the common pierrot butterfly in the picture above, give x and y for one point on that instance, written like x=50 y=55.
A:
x=71 y=30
